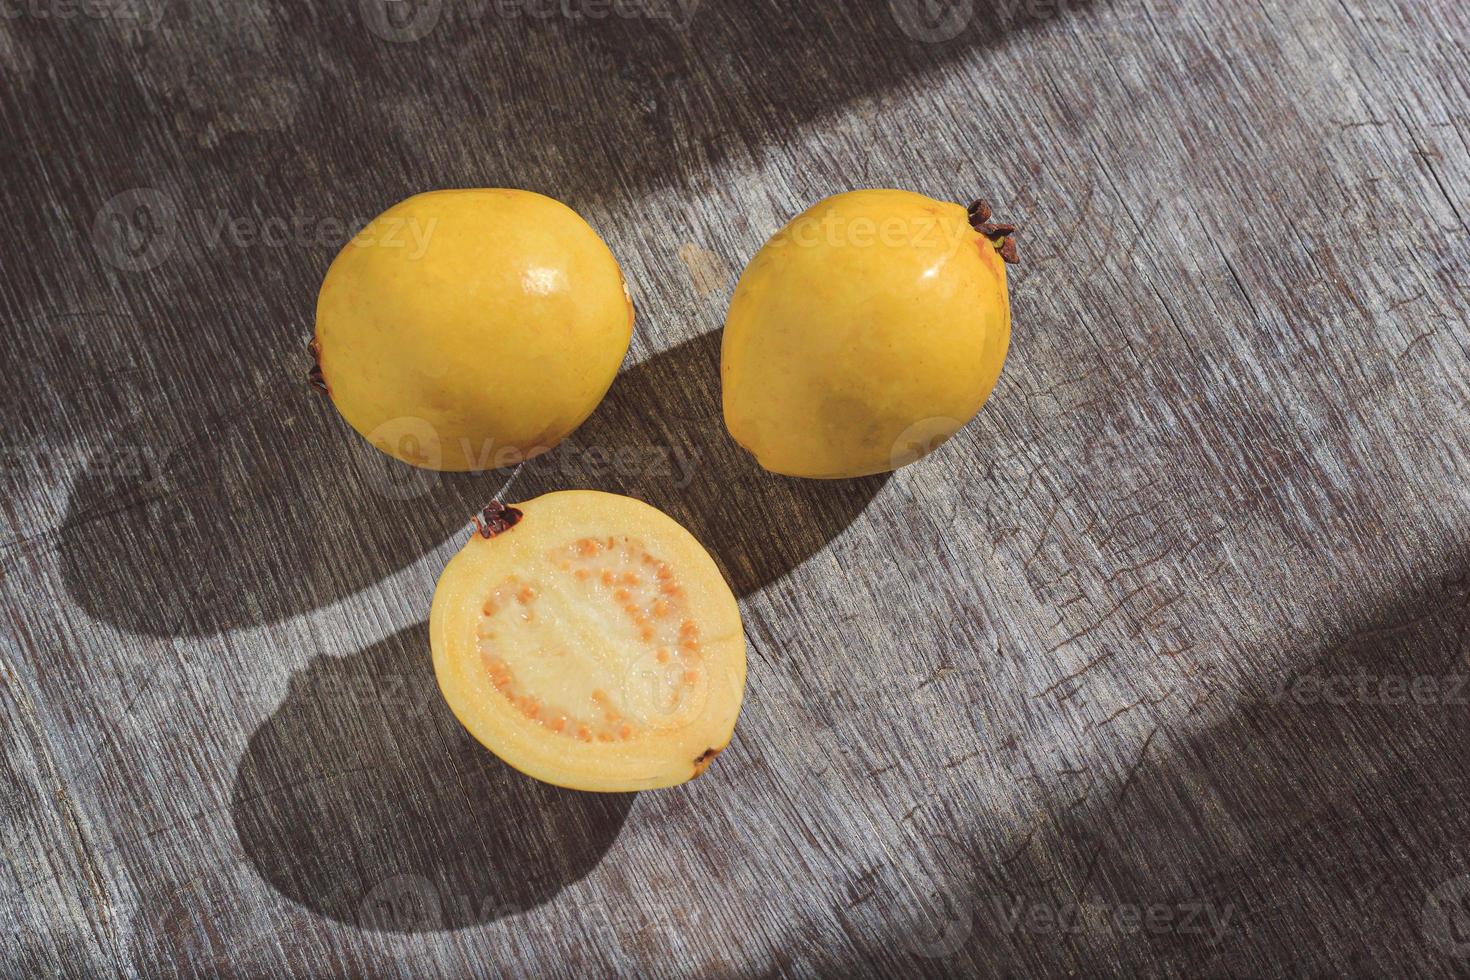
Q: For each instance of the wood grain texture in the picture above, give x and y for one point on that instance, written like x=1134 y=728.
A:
x=1155 y=669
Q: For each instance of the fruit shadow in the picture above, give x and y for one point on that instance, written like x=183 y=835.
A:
x=363 y=799
x=660 y=436
x=223 y=532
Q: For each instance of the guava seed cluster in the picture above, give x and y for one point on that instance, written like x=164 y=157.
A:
x=605 y=651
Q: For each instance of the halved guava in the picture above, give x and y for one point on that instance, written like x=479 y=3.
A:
x=588 y=640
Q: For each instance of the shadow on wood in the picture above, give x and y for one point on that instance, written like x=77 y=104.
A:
x=660 y=436
x=1330 y=805
x=363 y=799
x=337 y=120
x=1321 y=827
x=227 y=533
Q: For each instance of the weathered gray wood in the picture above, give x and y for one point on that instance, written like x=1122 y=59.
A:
x=1067 y=669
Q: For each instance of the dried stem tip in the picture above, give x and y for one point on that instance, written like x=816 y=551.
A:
x=999 y=234
x=495 y=519
x=315 y=376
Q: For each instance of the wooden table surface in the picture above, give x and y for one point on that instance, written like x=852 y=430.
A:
x=1157 y=668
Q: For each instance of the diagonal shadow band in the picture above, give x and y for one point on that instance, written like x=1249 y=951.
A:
x=363 y=799
x=1320 y=824
x=228 y=533
x=550 y=102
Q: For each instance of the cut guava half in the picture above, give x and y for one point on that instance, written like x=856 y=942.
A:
x=589 y=641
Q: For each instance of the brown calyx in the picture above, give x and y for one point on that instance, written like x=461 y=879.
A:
x=315 y=376
x=1000 y=235
x=495 y=519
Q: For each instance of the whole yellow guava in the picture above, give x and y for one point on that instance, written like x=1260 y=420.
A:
x=865 y=333
x=471 y=329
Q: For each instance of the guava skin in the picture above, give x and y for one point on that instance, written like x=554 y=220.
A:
x=468 y=330
x=865 y=333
